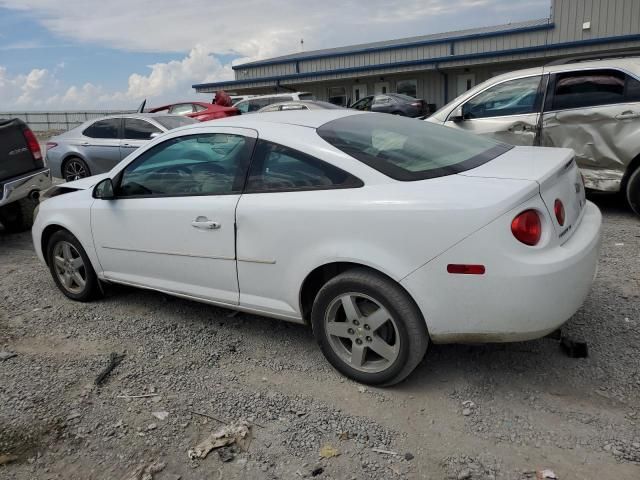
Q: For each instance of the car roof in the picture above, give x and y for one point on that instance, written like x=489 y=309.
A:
x=303 y=118
x=270 y=95
x=318 y=103
x=136 y=115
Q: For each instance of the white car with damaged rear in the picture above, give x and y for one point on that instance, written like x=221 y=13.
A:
x=381 y=232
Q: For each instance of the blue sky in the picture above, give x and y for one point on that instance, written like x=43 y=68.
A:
x=87 y=53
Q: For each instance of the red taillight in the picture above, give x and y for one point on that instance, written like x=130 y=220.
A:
x=527 y=228
x=465 y=269
x=558 y=209
x=32 y=143
x=51 y=145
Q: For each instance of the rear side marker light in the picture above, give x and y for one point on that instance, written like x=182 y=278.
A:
x=558 y=209
x=527 y=228
x=32 y=143
x=465 y=269
x=51 y=145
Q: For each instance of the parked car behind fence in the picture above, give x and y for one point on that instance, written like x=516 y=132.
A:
x=395 y=103
x=253 y=104
x=98 y=145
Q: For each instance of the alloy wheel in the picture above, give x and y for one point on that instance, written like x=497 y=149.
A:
x=362 y=332
x=74 y=170
x=69 y=267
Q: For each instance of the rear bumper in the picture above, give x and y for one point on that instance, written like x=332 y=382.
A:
x=19 y=188
x=523 y=295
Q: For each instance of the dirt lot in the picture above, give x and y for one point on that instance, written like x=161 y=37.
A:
x=532 y=406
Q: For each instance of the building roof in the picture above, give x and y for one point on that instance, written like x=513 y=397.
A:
x=404 y=42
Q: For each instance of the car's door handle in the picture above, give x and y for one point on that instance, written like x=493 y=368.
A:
x=205 y=224
x=127 y=145
x=626 y=115
x=85 y=144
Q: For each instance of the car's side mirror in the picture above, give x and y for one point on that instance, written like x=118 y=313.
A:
x=104 y=190
x=155 y=135
x=457 y=115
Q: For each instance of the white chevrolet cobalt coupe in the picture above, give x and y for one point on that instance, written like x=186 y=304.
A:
x=384 y=233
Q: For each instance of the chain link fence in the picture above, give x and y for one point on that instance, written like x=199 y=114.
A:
x=59 y=121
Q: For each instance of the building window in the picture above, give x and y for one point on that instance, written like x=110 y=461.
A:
x=337 y=96
x=407 y=87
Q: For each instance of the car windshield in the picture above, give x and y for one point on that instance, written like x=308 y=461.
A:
x=407 y=149
x=174 y=121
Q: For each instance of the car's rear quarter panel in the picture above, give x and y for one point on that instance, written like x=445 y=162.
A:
x=393 y=228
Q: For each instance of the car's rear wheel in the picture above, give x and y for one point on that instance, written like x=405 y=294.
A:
x=633 y=191
x=368 y=328
x=71 y=268
x=74 y=169
x=18 y=216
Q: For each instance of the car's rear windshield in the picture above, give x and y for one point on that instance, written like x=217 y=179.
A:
x=407 y=149
x=174 y=121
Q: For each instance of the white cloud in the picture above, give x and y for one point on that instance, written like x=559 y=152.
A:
x=259 y=28
x=250 y=29
x=165 y=82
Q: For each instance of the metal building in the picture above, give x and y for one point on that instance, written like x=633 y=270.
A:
x=441 y=66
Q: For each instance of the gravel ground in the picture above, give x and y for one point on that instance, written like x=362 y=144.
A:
x=467 y=412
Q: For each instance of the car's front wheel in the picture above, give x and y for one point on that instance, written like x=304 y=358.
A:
x=71 y=268
x=369 y=328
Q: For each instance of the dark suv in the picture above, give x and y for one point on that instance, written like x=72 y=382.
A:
x=23 y=175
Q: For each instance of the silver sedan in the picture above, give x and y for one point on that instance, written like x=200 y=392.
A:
x=98 y=145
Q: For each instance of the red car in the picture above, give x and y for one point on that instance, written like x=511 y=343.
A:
x=198 y=110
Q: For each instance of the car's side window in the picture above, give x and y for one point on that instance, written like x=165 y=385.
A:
x=182 y=109
x=253 y=105
x=198 y=108
x=382 y=100
x=108 y=128
x=276 y=168
x=632 y=89
x=513 y=97
x=363 y=104
x=203 y=164
x=136 y=129
x=588 y=88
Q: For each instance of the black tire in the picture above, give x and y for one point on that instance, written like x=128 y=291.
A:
x=18 y=216
x=91 y=288
x=633 y=191
x=399 y=113
x=411 y=329
x=74 y=168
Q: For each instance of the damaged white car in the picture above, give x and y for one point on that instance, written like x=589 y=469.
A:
x=592 y=107
x=383 y=233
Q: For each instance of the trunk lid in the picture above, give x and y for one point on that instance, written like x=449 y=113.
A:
x=555 y=171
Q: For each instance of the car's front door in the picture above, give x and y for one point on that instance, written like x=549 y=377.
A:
x=507 y=111
x=596 y=113
x=100 y=144
x=171 y=225
x=137 y=132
